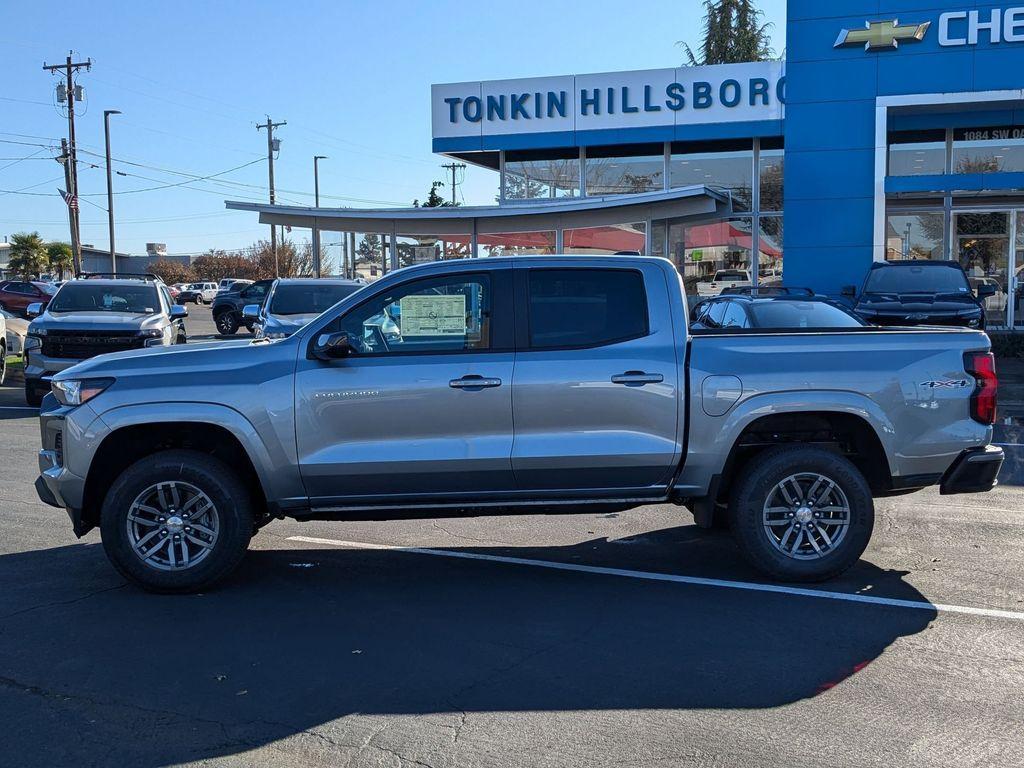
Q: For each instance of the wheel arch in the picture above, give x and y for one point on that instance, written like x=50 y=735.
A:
x=135 y=432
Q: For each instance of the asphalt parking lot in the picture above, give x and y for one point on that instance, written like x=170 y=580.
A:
x=600 y=639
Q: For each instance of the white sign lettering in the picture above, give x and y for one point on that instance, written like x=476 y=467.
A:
x=957 y=28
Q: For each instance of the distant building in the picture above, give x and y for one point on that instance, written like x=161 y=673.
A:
x=98 y=259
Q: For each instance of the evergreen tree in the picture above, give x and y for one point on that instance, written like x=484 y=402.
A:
x=733 y=33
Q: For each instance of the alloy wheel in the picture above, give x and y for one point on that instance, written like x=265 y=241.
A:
x=172 y=526
x=806 y=516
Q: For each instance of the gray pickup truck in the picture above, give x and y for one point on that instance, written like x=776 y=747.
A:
x=554 y=384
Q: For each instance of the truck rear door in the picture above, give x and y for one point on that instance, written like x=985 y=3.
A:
x=595 y=392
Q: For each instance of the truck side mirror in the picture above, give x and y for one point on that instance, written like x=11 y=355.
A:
x=251 y=312
x=849 y=290
x=986 y=290
x=178 y=311
x=34 y=310
x=331 y=346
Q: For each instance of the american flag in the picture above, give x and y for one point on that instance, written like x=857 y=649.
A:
x=71 y=200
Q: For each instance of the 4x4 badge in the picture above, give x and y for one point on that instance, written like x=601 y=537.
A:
x=881 y=35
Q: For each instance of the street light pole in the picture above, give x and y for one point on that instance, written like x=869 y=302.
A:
x=110 y=187
x=316 y=177
x=316 y=226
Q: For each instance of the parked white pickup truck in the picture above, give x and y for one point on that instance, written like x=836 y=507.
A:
x=724 y=278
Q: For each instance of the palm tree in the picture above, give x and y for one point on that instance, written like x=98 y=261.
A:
x=59 y=258
x=28 y=255
x=733 y=33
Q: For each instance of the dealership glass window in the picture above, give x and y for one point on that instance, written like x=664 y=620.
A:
x=516 y=243
x=917 y=153
x=625 y=169
x=1016 y=297
x=910 y=235
x=982 y=246
x=728 y=166
x=542 y=173
x=617 y=238
x=659 y=231
x=371 y=254
x=997 y=149
x=712 y=255
x=418 y=249
x=769 y=251
x=770 y=175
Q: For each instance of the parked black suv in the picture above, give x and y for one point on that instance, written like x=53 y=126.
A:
x=919 y=292
x=227 y=307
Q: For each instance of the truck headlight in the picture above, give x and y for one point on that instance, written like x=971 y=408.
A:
x=33 y=341
x=78 y=391
x=154 y=337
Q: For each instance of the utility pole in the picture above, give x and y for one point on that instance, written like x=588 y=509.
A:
x=72 y=94
x=273 y=145
x=453 y=167
x=65 y=160
x=110 y=187
x=316 y=177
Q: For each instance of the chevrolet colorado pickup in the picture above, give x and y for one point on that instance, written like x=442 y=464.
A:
x=556 y=383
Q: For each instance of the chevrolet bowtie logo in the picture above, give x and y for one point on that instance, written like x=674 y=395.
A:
x=879 y=35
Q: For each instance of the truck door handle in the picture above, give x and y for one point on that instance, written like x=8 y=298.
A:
x=638 y=378
x=472 y=381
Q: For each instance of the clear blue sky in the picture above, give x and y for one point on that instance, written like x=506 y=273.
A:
x=351 y=78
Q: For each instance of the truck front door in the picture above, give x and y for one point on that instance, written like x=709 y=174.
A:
x=596 y=391
x=423 y=406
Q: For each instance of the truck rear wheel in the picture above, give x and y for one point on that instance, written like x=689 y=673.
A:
x=226 y=322
x=176 y=521
x=802 y=513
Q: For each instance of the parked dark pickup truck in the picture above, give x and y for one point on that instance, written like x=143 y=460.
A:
x=534 y=384
x=227 y=307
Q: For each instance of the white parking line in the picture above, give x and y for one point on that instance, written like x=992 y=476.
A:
x=696 y=580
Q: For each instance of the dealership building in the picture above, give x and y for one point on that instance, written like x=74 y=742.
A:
x=894 y=129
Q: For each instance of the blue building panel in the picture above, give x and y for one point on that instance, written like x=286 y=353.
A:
x=827 y=223
x=826 y=269
x=826 y=174
x=831 y=125
x=925 y=72
x=846 y=80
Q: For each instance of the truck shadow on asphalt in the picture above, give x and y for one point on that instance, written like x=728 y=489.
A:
x=299 y=638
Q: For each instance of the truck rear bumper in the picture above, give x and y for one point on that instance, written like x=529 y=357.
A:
x=974 y=471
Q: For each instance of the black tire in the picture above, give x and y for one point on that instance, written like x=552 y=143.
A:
x=33 y=395
x=3 y=360
x=214 y=478
x=753 y=492
x=226 y=322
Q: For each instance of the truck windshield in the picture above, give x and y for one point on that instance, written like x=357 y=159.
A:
x=299 y=299
x=83 y=297
x=786 y=313
x=917 y=279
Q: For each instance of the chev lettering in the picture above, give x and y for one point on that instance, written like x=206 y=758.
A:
x=995 y=25
x=675 y=97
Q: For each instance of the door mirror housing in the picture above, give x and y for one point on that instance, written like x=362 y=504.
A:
x=178 y=312
x=985 y=290
x=34 y=310
x=251 y=312
x=331 y=346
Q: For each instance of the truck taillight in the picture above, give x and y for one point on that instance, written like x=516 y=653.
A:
x=982 y=366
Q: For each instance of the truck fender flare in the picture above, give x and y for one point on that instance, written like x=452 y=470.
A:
x=205 y=413
x=755 y=407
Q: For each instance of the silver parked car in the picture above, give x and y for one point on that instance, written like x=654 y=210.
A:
x=542 y=383
x=293 y=302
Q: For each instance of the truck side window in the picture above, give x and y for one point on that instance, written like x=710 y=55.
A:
x=578 y=308
x=715 y=315
x=735 y=316
x=446 y=314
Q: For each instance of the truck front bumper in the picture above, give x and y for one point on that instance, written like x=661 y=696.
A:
x=974 y=471
x=57 y=485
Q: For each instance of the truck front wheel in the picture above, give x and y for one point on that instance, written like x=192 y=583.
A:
x=802 y=513
x=176 y=521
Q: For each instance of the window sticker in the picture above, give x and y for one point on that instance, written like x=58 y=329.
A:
x=433 y=315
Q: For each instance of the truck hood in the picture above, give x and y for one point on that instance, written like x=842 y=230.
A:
x=94 y=321
x=181 y=358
